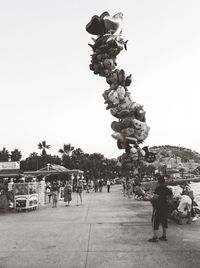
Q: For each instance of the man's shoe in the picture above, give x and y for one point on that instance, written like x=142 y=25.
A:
x=153 y=239
x=163 y=238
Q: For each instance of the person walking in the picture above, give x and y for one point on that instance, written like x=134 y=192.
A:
x=96 y=186
x=128 y=188
x=48 y=192
x=79 y=191
x=100 y=185
x=87 y=188
x=67 y=193
x=123 y=182
x=160 y=210
x=55 y=197
x=108 y=185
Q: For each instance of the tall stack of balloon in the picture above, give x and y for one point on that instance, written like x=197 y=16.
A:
x=130 y=128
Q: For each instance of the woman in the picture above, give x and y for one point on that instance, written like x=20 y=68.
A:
x=3 y=197
x=67 y=193
x=55 y=193
x=79 y=191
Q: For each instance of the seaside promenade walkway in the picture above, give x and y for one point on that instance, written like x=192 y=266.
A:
x=108 y=230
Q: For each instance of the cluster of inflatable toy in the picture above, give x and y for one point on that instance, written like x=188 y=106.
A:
x=130 y=129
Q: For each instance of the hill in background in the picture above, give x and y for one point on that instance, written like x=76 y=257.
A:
x=175 y=151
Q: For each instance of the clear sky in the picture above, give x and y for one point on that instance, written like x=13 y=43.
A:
x=49 y=93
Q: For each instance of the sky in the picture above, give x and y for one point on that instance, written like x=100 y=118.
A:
x=48 y=92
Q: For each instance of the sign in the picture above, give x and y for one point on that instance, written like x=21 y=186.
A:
x=9 y=165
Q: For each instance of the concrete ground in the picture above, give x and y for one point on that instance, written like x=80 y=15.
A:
x=108 y=230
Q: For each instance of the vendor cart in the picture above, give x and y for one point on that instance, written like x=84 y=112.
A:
x=26 y=196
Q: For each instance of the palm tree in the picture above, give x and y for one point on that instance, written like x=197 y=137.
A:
x=67 y=149
x=43 y=146
x=15 y=155
x=77 y=158
x=96 y=160
x=66 y=153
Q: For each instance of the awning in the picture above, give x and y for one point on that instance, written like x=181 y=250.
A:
x=6 y=173
x=54 y=169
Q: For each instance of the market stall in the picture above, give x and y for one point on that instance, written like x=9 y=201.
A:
x=56 y=173
x=26 y=196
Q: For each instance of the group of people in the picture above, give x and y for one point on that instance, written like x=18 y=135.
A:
x=163 y=206
x=182 y=206
x=98 y=185
x=132 y=187
x=53 y=192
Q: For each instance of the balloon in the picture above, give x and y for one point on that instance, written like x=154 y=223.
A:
x=112 y=24
x=127 y=122
x=131 y=129
x=96 y=25
x=128 y=80
x=126 y=101
x=122 y=144
x=131 y=139
x=109 y=64
x=149 y=156
x=116 y=126
x=118 y=136
x=142 y=152
x=128 y=131
x=121 y=92
x=113 y=97
x=133 y=150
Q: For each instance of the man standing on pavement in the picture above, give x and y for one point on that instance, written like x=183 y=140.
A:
x=108 y=185
x=100 y=185
x=160 y=209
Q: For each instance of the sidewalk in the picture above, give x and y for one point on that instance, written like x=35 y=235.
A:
x=108 y=230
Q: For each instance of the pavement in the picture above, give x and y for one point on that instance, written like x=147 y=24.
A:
x=108 y=230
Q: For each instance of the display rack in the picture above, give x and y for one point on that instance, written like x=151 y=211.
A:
x=26 y=196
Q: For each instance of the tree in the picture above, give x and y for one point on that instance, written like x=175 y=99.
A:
x=15 y=155
x=31 y=163
x=43 y=146
x=66 y=153
x=35 y=162
x=67 y=149
x=77 y=159
x=96 y=164
x=4 y=155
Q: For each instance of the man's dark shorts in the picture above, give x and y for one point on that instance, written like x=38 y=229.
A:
x=159 y=217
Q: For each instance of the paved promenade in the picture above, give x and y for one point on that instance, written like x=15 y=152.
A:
x=108 y=230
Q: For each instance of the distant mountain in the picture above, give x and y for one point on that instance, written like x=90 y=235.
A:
x=184 y=153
